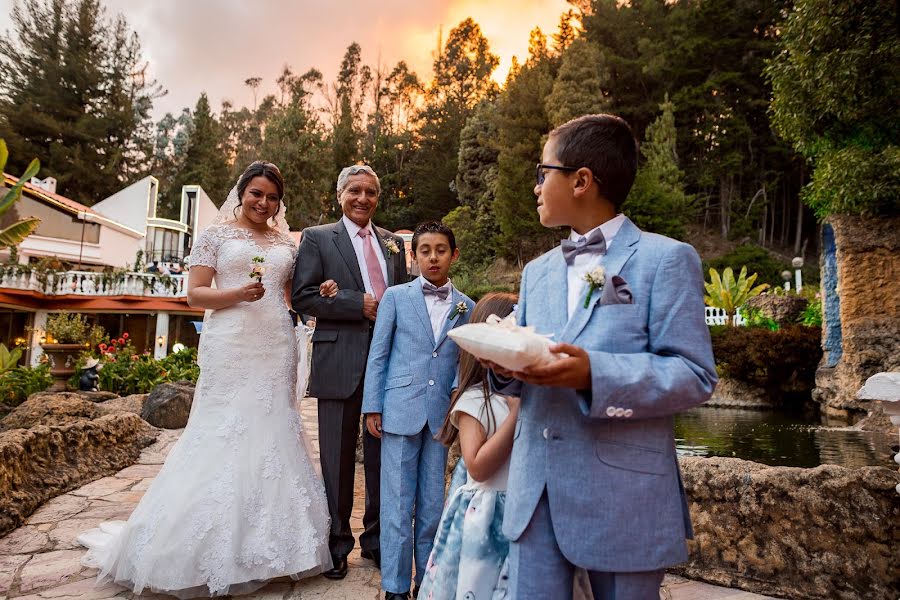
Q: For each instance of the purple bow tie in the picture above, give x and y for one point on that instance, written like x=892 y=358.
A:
x=594 y=243
x=429 y=289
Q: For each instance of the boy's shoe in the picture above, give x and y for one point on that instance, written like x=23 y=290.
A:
x=396 y=596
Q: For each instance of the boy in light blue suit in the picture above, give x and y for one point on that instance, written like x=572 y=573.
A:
x=410 y=373
x=594 y=479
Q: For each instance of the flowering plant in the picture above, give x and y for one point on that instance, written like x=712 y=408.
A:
x=460 y=309
x=595 y=280
x=391 y=246
x=258 y=270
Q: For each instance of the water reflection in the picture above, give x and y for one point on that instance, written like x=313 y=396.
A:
x=777 y=438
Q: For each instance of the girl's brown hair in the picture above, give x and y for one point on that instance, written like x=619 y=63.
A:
x=471 y=373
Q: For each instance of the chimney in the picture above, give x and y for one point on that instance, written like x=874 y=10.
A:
x=48 y=184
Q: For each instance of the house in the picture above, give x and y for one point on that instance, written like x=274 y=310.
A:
x=82 y=259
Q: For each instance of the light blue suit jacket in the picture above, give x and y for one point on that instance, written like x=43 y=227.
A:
x=409 y=374
x=607 y=456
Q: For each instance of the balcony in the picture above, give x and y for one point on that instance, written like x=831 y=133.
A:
x=90 y=283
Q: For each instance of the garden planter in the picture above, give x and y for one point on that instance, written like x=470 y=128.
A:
x=63 y=358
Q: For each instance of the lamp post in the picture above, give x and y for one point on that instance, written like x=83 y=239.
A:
x=797 y=263
x=884 y=388
x=786 y=276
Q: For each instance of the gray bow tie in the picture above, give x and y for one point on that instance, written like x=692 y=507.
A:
x=429 y=289
x=594 y=243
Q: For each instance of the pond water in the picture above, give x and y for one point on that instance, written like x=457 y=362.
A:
x=779 y=438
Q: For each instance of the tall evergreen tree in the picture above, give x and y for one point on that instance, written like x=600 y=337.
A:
x=580 y=86
x=83 y=77
x=205 y=161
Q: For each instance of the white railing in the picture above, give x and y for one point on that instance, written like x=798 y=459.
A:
x=90 y=283
x=717 y=316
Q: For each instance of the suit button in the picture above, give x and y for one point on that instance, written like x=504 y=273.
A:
x=434 y=354
x=628 y=413
x=620 y=412
x=431 y=382
x=611 y=411
x=546 y=434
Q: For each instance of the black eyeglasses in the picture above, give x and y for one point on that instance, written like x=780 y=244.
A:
x=540 y=175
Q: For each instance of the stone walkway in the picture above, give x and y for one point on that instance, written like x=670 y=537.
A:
x=40 y=560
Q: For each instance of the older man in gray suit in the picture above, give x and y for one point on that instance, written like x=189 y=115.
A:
x=364 y=260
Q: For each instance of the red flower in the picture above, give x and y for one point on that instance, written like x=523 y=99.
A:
x=103 y=347
x=112 y=343
x=134 y=357
x=122 y=341
x=125 y=335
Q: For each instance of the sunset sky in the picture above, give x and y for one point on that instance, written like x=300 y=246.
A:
x=214 y=45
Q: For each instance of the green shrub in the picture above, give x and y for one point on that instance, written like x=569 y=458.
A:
x=776 y=361
x=16 y=385
x=812 y=314
x=756 y=259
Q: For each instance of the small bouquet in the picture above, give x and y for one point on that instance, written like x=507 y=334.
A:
x=258 y=270
x=505 y=343
x=391 y=246
x=595 y=279
x=461 y=308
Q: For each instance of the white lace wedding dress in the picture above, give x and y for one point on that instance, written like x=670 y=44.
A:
x=238 y=500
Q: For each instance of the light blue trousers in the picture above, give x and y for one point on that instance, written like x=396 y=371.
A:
x=412 y=483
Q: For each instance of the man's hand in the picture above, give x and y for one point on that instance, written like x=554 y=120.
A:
x=370 y=307
x=328 y=289
x=573 y=371
x=373 y=424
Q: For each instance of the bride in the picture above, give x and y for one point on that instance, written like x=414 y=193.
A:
x=238 y=501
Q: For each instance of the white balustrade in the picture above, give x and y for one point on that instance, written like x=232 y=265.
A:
x=718 y=316
x=92 y=283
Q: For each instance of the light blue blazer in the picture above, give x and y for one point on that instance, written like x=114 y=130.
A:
x=409 y=374
x=607 y=456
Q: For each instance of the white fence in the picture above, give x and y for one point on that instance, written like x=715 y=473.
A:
x=717 y=316
x=90 y=283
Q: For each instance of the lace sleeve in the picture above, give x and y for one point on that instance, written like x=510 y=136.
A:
x=205 y=250
x=287 y=240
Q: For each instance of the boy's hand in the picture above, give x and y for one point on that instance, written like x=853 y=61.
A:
x=573 y=371
x=373 y=424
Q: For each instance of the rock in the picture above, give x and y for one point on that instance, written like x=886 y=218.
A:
x=169 y=405
x=132 y=404
x=90 y=396
x=876 y=420
x=784 y=310
x=44 y=408
x=862 y=308
x=4 y=410
x=40 y=463
x=827 y=532
x=731 y=393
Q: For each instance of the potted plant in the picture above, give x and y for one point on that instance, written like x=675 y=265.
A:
x=65 y=337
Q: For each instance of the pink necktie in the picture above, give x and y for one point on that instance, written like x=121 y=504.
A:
x=376 y=278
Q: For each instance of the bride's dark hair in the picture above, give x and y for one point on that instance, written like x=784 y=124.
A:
x=259 y=168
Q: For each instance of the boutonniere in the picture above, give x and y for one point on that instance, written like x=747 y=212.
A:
x=595 y=280
x=461 y=308
x=258 y=270
x=391 y=246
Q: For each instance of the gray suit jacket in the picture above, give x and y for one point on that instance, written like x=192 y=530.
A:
x=341 y=338
x=410 y=374
x=606 y=457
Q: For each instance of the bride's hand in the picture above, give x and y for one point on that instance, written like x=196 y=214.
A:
x=328 y=288
x=251 y=292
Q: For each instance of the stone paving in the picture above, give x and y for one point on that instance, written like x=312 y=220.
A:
x=41 y=561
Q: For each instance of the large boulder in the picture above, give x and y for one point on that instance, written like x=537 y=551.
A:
x=129 y=404
x=42 y=462
x=57 y=408
x=784 y=310
x=91 y=396
x=827 y=532
x=169 y=405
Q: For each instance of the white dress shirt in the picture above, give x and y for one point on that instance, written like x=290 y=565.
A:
x=586 y=261
x=438 y=310
x=353 y=230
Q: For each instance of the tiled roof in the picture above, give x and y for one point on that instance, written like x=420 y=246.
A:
x=40 y=192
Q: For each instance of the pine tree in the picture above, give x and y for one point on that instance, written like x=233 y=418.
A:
x=205 y=161
x=579 y=88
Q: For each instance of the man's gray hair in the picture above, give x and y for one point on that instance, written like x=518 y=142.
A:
x=348 y=172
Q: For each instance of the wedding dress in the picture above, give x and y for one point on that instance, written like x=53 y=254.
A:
x=238 y=501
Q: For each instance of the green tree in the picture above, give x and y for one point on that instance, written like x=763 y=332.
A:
x=205 y=161
x=657 y=201
x=836 y=98
x=73 y=91
x=579 y=86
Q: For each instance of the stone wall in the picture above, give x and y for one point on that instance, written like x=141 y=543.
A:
x=861 y=281
x=44 y=461
x=827 y=532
